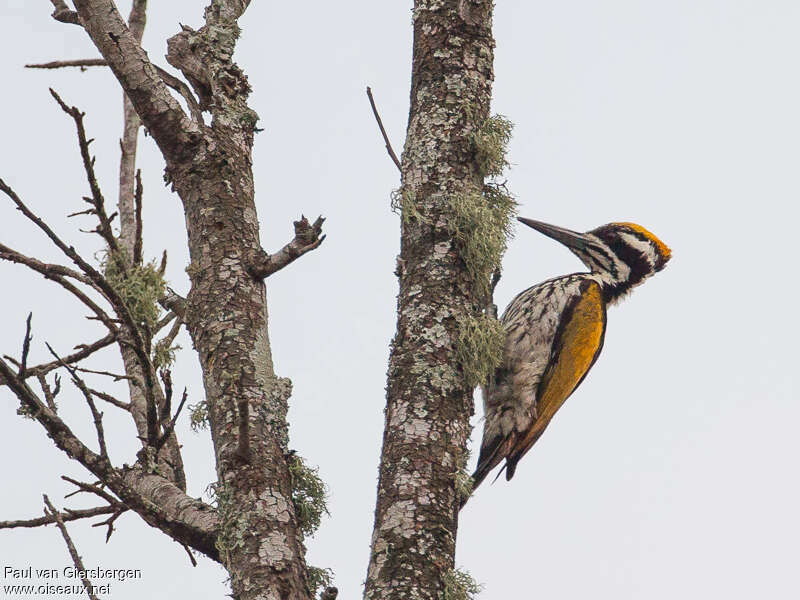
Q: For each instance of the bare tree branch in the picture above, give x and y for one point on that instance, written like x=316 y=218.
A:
x=63 y=13
x=96 y=415
x=306 y=238
x=97 y=201
x=137 y=202
x=50 y=394
x=49 y=510
x=81 y=63
x=176 y=135
x=158 y=501
x=91 y=489
x=389 y=148
x=26 y=346
x=69 y=515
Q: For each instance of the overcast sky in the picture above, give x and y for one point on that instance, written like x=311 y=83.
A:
x=671 y=472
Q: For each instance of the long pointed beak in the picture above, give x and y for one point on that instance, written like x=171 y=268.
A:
x=571 y=239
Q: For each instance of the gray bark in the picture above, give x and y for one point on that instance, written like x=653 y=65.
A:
x=428 y=401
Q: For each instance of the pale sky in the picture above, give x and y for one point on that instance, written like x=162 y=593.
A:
x=671 y=472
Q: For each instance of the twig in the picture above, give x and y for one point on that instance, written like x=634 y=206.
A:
x=189 y=552
x=137 y=201
x=46 y=269
x=307 y=237
x=91 y=489
x=168 y=78
x=63 y=13
x=138 y=344
x=383 y=131
x=96 y=415
x=110 y=522
x=171 y=425
x=26 y=346
x=97 y=200
x=115 y=376
x=50 y=394
x=82 y=64
x=70 y=546
x=72 y=515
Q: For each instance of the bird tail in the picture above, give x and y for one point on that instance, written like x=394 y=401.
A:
x=491 y=455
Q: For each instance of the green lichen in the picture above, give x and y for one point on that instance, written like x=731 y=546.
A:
x=192 y=270
x=139 y=287
x=319 y=579
x=479 y=348
x=460 y=585
x=309 y=495
x=481 y=224
x=463 y=481
x=491 y=145
x=164 y=354
x=27 y=412
x=198 y=416
x=403 y=204
x=233 y=523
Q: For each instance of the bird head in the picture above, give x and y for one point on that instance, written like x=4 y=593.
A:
x=622 y=255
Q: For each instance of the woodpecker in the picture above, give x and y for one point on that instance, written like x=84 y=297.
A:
x=554 y=334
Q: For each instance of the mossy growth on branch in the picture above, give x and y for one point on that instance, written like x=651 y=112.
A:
x=198 y=416
x=164 y=354
x=491 y=145
x=309 y=495
x=463 y=480
x=319 y=579
x=403 y=204
x=460 y=585
x=139 y=286
x=233 y=523
x=479 y=347
x=481 y=224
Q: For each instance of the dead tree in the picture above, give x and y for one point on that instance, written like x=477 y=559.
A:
x=454 y=226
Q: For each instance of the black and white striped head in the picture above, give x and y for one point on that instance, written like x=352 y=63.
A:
x=622 y=255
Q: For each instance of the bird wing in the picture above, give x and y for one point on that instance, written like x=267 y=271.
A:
x=576 y=346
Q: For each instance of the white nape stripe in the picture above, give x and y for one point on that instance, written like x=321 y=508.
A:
x=643 y=246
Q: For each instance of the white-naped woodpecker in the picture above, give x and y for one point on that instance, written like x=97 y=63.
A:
x=554 y=334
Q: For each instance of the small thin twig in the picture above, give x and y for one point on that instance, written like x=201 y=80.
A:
x=50 y=394
x=26 y=346
x=97 y=201
x=168 y=78
x=49 y=510
x=91 y=489
x=137 y=201
x=171 y=425
x=87 y=394
x=81 y=63
x=110 y=522
x=70 y=515
x=389 y=148
x=189 y=552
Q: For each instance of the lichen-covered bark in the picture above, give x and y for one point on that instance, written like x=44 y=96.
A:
x=226 y=314
x=428 y=401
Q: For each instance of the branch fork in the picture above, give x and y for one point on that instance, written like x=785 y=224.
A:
x=307 y=237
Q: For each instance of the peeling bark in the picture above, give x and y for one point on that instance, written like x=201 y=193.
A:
x=428 y=400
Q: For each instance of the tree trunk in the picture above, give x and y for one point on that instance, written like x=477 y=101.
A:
x=429 y=402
